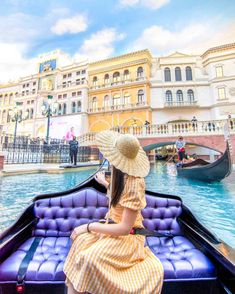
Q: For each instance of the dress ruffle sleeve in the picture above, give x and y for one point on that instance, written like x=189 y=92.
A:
x=133 y=194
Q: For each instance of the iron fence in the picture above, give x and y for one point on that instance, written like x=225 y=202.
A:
x=27 y=150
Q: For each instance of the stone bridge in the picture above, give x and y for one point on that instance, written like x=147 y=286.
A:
x=209 y=134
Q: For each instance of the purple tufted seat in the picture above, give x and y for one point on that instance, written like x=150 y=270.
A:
x=58 y=216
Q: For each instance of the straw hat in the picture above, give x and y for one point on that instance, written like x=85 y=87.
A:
x=124 y=152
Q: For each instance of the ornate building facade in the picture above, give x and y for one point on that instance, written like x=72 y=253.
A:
x=122 y=91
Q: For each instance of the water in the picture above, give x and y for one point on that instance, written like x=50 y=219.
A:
x=213 y=204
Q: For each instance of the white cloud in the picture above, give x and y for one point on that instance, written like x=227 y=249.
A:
x=13 y=64
x=100 y=45
x=71 y=25
x=152 y=4
x=195 y=38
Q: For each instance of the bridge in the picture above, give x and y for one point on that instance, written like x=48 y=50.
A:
x=208 y=134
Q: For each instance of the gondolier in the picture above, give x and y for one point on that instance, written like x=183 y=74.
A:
x=180 y=147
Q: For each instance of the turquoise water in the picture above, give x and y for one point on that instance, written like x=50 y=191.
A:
x=213 y=204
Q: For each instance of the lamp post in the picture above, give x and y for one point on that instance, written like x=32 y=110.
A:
x=48 y=108
x=17 y=116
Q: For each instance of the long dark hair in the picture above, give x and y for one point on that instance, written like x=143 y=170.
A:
x=117 y=186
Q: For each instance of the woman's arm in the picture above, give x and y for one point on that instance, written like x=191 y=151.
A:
x=121 y=229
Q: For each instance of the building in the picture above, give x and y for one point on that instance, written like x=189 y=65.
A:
x=58 y=77
x=183 y=86
x=122 y=91
x=119 y=91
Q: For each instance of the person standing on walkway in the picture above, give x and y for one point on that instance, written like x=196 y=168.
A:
x=109 y=258
x=73 y=150
x=180 y=148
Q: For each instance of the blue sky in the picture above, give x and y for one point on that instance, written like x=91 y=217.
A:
x=97 y=29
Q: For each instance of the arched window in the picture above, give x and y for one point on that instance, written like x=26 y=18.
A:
x=140 y=96
x=11 y=98
x=6 y=99
x=116 y=77
x=179 y=96
x=126 y=74
x=169 y=97
x=4 y=115
x=64 y=108
x=106 y=79
x=140 y=72
x=178 y=74
x=94 y=103
x=127 y=98
x=73 y=107
x=190 y=95
x=106 y=101
x=79 y=106
x=95 y=81
x=59 y=109
x=167 y=74
x=189 y=76
x=117 y=99
x=8 y=117
x=31 y=113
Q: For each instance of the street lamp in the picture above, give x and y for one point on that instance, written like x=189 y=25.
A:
x=48 y=108
x=17 y=116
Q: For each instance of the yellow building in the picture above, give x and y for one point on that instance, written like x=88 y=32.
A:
x=119 y=91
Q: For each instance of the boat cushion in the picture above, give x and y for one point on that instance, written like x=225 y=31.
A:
x=58 y=216
x=180 y=258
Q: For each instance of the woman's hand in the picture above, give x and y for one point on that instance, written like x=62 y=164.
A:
x=78 y=231
x=100 y=178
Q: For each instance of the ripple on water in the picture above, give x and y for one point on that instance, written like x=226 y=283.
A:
x=212 y=203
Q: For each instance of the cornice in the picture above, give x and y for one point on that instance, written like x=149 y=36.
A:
x=218 y=49
x=110 y=68
x=218 y=58
x=127 y=55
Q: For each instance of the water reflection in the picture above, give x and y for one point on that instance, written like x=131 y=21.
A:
x=212 y=203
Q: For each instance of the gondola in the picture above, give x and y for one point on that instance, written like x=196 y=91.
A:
x=207 y=172
x=34 y=248
x=161 y=157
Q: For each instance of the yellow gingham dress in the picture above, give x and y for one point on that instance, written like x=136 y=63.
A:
x=104 y=264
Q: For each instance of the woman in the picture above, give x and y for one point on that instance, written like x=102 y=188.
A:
x=106 y=258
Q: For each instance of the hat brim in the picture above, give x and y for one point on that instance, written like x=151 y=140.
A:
x=137 y=167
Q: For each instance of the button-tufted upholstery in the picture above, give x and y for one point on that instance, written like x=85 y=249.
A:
x=58 y=216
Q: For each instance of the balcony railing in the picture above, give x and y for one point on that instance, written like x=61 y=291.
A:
x=181 y=103
x=213 y=127
x=112 y=83
x=117 y=107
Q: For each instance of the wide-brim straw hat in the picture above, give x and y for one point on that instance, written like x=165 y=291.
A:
x=124 y=152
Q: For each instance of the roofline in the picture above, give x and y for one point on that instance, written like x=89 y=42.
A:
x=218 y=48
x=121 y=56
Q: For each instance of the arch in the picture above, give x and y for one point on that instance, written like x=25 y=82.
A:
x=106 y=102
x=100 y=125
x=178 y=76
x=129 y=122
x=73 y=108
x=189 y=75
x=140 y=96
x=116 y=77
x=126 y=74
x=169 y=96
x=126 y=98
x=106 y=79
x=179 y=96
x=94 y=103
x=95 y=81
x=190 y=95
x=167 y=74
x=140 y=72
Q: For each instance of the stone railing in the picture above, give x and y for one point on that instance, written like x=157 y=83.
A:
x=215 y=127
x=117 y=107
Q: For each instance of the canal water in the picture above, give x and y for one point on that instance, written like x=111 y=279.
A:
x=212 y=203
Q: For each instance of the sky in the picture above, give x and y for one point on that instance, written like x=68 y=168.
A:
x=98 y=29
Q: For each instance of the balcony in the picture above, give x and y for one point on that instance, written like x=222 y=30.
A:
x=111 y=83
x=177 y=104
x=118 y=107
